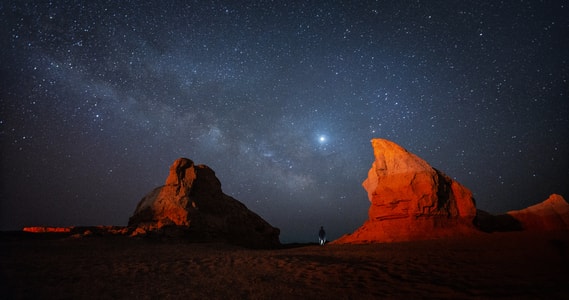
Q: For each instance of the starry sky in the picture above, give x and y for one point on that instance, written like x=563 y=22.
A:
x=281 y=99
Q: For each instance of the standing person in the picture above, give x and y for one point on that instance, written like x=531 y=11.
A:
x=322 y=236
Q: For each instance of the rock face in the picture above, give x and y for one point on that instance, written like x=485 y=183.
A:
x=551 y=214
x=410 y=200
x=191 y=204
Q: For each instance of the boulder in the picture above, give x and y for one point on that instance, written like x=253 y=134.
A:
x=192 y=205
x=551 y=214
x=410 y=200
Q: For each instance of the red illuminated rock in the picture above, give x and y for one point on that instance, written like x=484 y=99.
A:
x=410 y=200
x=551 y=214
x=192 y=204
x=47 y=229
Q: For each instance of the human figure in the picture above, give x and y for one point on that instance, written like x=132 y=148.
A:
x=322 y=236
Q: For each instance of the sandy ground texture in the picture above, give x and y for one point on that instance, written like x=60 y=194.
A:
x=498 y=265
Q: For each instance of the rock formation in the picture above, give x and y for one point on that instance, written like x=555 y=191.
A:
x=47 y=229
x=192 y=204
x=551 y=214
x=410 y=200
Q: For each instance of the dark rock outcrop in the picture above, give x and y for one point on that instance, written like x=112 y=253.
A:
x=410 y=200
x=488 y=222
x=192 y=205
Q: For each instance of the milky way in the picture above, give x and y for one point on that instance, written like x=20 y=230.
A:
x=281 y=99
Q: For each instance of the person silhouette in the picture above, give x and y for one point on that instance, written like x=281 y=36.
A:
x=322 y=236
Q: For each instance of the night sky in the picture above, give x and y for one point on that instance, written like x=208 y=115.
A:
x=281 y=99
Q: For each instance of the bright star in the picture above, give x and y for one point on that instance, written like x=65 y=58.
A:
x=322 y=139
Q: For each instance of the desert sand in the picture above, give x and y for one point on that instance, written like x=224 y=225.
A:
x=513 y=265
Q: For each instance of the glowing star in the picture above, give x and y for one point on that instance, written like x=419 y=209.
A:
x=322 y=139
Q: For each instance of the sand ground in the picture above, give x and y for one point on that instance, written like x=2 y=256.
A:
x=499 y=265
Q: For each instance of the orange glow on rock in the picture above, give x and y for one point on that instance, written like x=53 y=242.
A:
x=45 y=229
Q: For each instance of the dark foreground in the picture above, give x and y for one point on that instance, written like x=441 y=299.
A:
x=504 y=265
